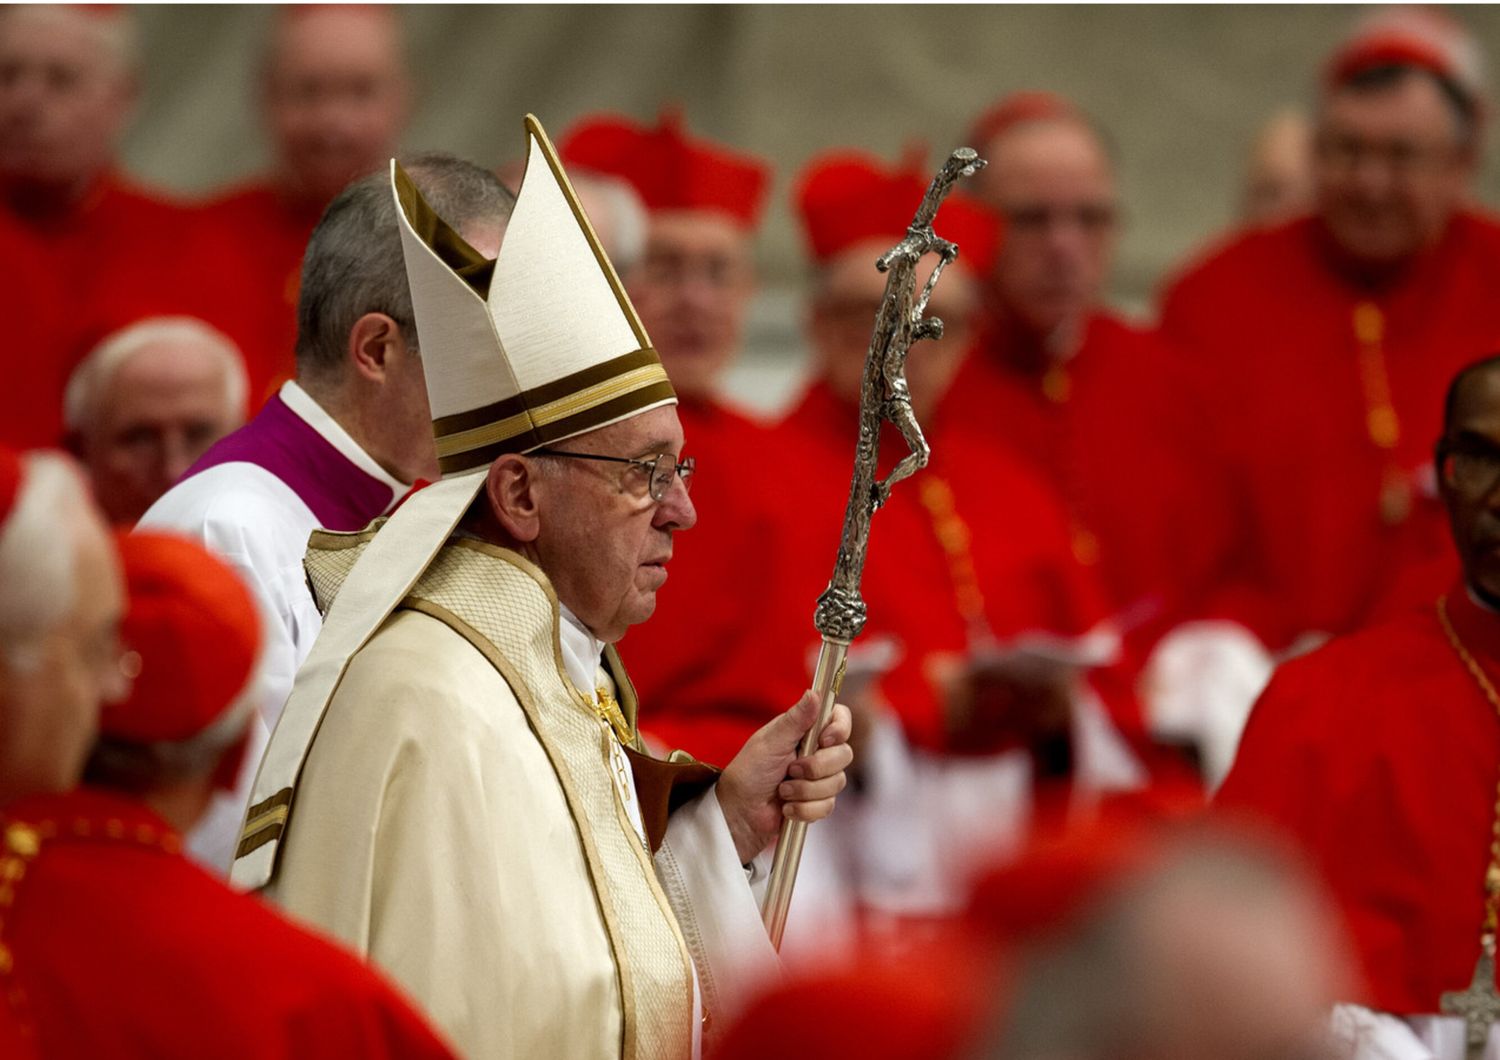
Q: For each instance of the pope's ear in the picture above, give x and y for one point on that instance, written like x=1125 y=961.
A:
x=511 y=489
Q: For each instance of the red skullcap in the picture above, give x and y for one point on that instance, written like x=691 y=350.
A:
x=10 y=482
x=846 y=197
x=1018 y=108
x=667 y=168
x=1422 y=37
x=197 y=631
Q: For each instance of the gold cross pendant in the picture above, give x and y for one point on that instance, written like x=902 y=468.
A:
x=607 y=709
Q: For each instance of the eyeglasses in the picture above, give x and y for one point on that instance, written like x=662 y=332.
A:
x=660 y=469
x=1344 y=154
x=1470 y=467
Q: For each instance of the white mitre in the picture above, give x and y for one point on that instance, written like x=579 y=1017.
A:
x=539 y=345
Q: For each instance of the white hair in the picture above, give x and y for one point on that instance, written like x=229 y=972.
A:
x=91 y=379
x=37 y=570
x=622 y=229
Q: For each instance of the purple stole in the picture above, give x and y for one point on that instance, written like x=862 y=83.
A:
x=341 y=495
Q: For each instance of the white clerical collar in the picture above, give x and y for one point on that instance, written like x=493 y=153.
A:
x=1479 y=601
x=310 y=412
x=581 y=652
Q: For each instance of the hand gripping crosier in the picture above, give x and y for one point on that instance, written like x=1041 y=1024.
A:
x=899 y=324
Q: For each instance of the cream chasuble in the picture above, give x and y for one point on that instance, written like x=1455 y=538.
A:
x=463 y=821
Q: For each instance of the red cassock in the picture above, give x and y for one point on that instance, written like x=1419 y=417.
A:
x=974 y=543
x=268 y=232
x=39 y=340
x=719 y=658
x=121 y=947
x=123 y=254
x=1379 y=754
x=1119 y=433
x=1328 y=396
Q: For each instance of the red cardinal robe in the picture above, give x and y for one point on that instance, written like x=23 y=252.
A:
x=1024 y=580
x=1380 y=755
x=122 y=254
x=121 y=947
x=1118 y=432
x=269 y=233
x=39 y=339
x=1327 y=394
x=721 y=656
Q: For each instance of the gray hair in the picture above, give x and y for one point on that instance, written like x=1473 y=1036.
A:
x=90 y=380
x=136 y=767
x=37 y=578
x=354 y=263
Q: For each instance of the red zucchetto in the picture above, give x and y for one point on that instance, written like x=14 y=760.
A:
x=1410 y=35
x=197 y=631
x=669 y=169
x=848 y=197
x=1018 y=108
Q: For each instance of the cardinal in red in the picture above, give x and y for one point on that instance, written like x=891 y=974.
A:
x=335 y=96
x=1098 y=405
x=115 y=944
x=118 y=251
x=1379 y=752
x=1325 y=342
x=974 y=553
x=718 y=658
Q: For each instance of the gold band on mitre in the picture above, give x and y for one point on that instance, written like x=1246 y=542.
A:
x=588 y=399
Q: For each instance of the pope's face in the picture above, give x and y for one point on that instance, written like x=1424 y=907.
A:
x=604 y=543
x=692 y=290
x=1469 y=478
x=1389 y=169
x=843 y=315
x=64 y=97
x=336 y=97
x=158 y=414
x=1055 y=187
x=50 y=696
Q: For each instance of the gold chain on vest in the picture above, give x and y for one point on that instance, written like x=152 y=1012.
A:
x=956 y=540
x=1492 y=874
x=1382 y=425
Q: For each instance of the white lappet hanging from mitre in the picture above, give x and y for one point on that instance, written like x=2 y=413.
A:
x=536 y=346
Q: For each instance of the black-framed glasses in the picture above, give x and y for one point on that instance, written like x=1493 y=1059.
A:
x=660 y=468
x=1469 y=465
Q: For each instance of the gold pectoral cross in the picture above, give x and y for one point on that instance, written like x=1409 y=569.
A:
x=609 y=710
x=1479 y=1005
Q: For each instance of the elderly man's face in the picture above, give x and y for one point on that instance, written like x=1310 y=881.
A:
x=159 y=413
x=336 y=97
x=1469 y=478
x=692 y=291
x=50 y=697
x=843 y=315
x=1390 y=169
x=604 y=542
x=1055 y=187
x=64 y=97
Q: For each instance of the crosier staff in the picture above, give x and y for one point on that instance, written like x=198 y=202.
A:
x=884 y=398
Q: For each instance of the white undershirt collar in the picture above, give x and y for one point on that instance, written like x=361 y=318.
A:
x=314 y=415
x=581 y=652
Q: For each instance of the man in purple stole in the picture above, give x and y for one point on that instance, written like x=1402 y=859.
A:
x=338 y=446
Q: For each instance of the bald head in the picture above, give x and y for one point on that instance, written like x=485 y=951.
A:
x=67 y=90
x=1279 y=184
x=336 y=93
x=1053 y=181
